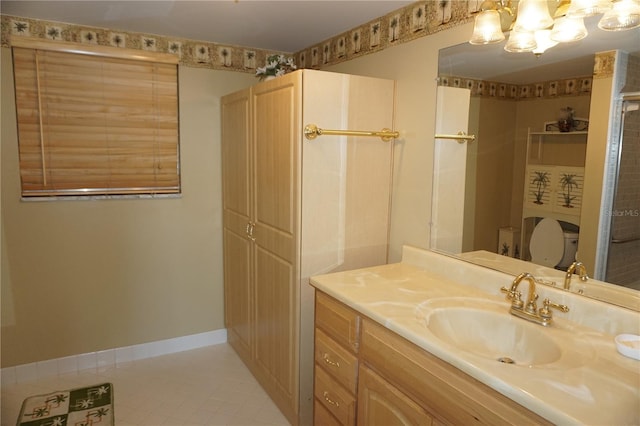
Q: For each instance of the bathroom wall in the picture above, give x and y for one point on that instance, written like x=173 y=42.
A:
x=497 y=120
x=532 y=114
x=414 y=66
x=84 y=276
x=499 y=156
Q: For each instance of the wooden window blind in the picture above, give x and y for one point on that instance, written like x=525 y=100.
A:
x=96 y=125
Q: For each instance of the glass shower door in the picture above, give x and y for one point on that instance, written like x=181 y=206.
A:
x=623 y=262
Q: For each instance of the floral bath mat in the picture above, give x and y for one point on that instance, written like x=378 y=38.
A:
x=92 y=405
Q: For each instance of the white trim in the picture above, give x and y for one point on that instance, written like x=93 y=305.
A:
x=109 y=358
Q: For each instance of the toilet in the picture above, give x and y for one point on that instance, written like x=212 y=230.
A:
x=553 y=246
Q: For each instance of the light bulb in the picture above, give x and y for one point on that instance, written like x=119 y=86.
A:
x=543 y=42
x=533 y=15
x=585 y=8
x=486 y=29
x=568 y=29
x=624 y=15
x=520 y=41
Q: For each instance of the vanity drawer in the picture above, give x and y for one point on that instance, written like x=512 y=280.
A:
x=322 y=416
x=336 y=399
x=456 y=397
x=340 y=322
x=339 y=362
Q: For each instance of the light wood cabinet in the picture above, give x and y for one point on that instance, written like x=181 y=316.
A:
x=337 y=338
x=237 y=247
x=381 y=403
x=401 y=383
x=293 y=208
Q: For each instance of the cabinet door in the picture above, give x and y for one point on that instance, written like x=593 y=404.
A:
x=236 y=217
x=380 y=403
x=276 y=138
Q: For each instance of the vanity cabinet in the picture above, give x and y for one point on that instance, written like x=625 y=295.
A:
x=337 y=339
x=401 y=383
x=294 y=207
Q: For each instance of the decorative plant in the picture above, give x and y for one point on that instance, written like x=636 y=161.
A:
x=505 y=249
x=568 y=183
x=567 y=113
x=276 y=65
x=565 y=121
x=541 y=180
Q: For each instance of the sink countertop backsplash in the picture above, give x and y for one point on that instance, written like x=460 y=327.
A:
x=595 y=385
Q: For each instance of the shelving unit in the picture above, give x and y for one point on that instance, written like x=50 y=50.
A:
x=554 y=178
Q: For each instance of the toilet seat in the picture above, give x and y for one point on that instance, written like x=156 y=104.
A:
x=547 y=243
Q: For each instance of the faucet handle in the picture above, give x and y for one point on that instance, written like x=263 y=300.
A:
x=532 y=306
x=514 y=296
x=549 y=304
x=510 y=294
x=516 y=301
x=545 y=312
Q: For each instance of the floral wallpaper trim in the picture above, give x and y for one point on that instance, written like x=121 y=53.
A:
x=416 y=20
x=191 y=53
x=547 y=89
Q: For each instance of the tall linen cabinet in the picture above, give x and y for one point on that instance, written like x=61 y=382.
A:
x=294 y=208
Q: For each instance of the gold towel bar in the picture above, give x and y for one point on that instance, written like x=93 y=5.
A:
x=461 y=137
x=311 y=131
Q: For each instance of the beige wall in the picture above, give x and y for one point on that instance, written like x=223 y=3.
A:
x=83 y=276
x=494 y=170
x=414 y=66
x=89 y=275
x=92 y=275
x=502 y=128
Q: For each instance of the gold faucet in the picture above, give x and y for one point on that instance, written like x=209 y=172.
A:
x=529 y=311
x=582 y=272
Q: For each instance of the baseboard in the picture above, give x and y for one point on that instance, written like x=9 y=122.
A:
x=109 y=358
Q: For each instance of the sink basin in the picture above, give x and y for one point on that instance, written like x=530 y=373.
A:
x=493 y=334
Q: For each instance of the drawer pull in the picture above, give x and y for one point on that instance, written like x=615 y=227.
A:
x=329 y=400
x=328 y=361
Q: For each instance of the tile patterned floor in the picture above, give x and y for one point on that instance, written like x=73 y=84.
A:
x=207 y=386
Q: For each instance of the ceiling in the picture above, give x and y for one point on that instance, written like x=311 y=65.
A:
x=286 y=26
x=566 y=60
x=294 y=25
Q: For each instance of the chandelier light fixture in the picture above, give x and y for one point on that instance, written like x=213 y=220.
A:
x=537 y=25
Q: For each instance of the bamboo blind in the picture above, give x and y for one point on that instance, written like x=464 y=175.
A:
x=90 y=125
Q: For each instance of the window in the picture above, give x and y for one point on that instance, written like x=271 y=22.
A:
x=96 y=122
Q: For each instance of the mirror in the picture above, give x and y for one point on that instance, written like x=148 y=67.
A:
x=517 y=100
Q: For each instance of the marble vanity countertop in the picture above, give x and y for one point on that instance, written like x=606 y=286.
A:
x=599 y=290
x=590 y=384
